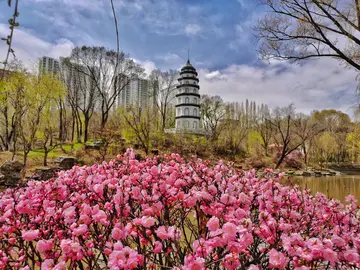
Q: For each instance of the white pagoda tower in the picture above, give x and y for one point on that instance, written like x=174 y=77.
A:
x=188 y=101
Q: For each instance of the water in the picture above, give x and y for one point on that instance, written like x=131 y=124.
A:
x=337 y=187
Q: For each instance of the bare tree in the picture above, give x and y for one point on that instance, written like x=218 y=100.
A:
x=110 y=71
x=9 y=39
x=213 y=112
x=306 y=129
x=302 y=29
x=82 y=92
x=140 y=123
x=286 y=139
x=163 y=92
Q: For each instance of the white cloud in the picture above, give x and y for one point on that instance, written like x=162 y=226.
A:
x=169 y=57
x=316 y=85
x=147 y=65
x=192 y=29
x=29 y=47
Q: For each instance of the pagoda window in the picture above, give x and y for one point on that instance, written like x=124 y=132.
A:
x=179 y=100
x=195 y=112
x=195 y=101
x=187 y=100
x=186 y=82
x=179 y=111
x=186 y=90
x=187 y=111
x=186 y=124
x=195 y=125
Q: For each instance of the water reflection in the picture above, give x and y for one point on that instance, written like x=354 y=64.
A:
x=337 y=187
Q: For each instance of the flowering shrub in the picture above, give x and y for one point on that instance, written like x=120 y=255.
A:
x=165 y=213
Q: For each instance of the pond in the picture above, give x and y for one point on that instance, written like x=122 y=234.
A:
x=337 y=187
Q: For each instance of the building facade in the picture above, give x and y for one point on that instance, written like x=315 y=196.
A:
x=188 y=100
x=134 y=92
x=49 y=65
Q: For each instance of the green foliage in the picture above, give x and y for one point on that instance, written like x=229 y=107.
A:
x=254 y=143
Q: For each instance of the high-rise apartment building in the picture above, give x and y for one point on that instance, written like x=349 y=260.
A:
x=81 y=86
x=133 y=91
x=49 y=65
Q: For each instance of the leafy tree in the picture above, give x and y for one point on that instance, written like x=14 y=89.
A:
x=39 y=97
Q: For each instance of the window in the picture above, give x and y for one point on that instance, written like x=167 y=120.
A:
x=187 y=111
x=195 y=112
x=186 y=82
x=178 y=111
x=187 y=100
x=186 y=124
x=179 y=100
x=195 y=125
x=186 y=90
x=195 y=101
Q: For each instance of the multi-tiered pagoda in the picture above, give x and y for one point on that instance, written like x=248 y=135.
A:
x=188 y=101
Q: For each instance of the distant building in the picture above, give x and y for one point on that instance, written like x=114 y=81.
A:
x=49 y=65
x=134 y=92
x=81 y=86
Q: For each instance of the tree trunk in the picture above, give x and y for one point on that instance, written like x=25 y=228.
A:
x=45 y=156
x=61 y=127
x=357 y=5
x=86 y=128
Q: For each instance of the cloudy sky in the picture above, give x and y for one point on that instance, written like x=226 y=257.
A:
x=158 y=34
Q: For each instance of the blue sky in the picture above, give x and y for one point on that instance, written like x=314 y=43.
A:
x=158 y=33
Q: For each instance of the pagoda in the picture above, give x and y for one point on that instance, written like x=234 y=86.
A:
x=188 y=101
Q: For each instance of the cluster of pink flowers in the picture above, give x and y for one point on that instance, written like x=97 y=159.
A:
x=168 y=213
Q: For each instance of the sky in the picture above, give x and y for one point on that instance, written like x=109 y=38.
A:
x=159 y=33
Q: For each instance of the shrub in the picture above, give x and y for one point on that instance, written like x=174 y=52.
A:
x=165 y=213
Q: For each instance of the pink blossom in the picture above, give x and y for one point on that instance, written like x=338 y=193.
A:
x=277 y=259
x=147 y=222
x=157 y=247
x=118 y=234
x=44 y=245
x=213 y=224
x=126 y=258
x=47 y=264
x=229 y=230
x=30 y=235
x=352 y=255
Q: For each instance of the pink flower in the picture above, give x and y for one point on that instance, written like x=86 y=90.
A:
x=192 y=263
x=30 y=235
x=44 y=245
x=253 y=267
x=277 y=259
x=157 y=247
x=162 y=233
x=126 y=258
x=330 y=255
x=147 y=222
x=352 y=255
x=118 y=234
x=213 y=224
x=82 y=229
x=47 y=264
x=229 y=230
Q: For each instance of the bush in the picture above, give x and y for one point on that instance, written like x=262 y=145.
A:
x=127 y=214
